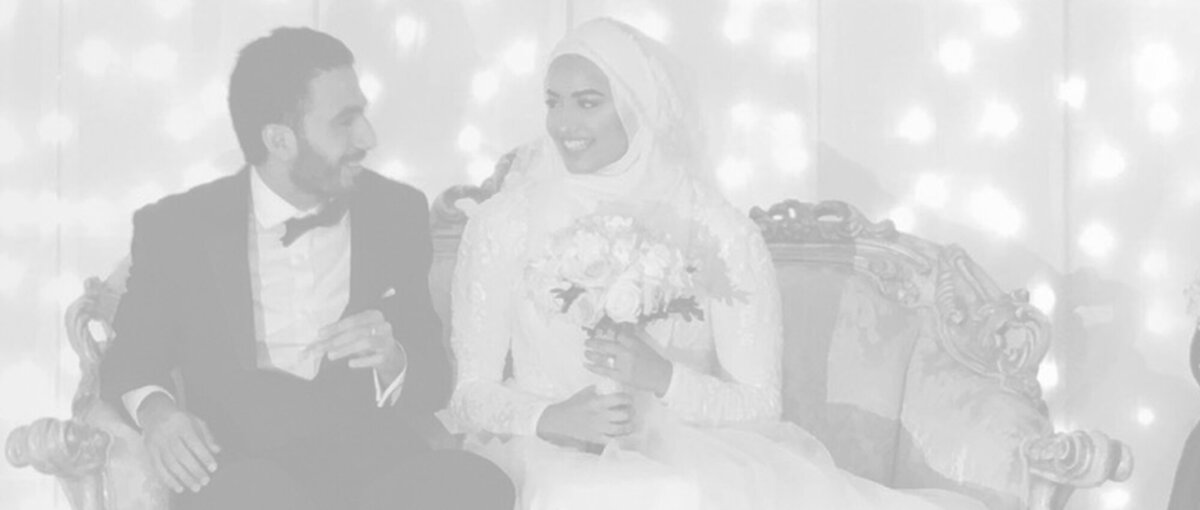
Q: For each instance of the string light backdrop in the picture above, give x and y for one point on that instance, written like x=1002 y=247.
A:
x=1049 y=138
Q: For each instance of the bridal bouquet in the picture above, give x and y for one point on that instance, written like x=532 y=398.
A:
x=619 y=271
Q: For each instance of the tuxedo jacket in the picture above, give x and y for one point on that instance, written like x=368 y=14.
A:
x=189 y=306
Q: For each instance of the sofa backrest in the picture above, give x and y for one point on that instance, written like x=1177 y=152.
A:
x=846 y=354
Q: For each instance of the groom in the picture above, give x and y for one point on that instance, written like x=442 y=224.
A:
x=293 y=299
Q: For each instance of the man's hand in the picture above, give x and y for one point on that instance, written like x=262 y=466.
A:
x=366 y=338
x=180 y=445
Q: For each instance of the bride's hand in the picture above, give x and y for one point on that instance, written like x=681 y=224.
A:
x=587 y=417
x=629 y=360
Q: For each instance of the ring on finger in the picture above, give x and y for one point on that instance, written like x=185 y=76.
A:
x=611 y=361
x=373 y=330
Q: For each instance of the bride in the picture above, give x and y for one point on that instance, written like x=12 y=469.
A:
x=696 y=424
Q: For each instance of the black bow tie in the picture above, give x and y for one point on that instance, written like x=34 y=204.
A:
x=329 y=215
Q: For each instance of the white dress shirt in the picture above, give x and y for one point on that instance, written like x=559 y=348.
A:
x=297 y=290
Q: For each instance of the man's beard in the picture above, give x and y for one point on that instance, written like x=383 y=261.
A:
x=314 y=175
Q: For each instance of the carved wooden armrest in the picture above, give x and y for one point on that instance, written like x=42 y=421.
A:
x=445 y=212
x=68 y=449
x=1065 y=461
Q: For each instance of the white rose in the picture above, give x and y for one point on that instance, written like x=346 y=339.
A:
x=585 y=310
x=623 y=303
x=622 y=250
x=655 y=262
x=586 y=262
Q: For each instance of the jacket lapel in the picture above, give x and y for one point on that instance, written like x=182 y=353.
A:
x=367 y=249
x=229 y=256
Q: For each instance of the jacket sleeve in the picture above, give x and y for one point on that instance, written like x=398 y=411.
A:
x=418 y=328
x=142 y=352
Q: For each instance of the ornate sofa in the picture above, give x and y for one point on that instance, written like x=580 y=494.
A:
x=911 y=365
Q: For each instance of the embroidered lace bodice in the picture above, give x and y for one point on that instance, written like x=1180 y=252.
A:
x=726 y=367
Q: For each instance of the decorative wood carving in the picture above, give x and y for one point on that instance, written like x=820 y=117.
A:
x=995 y=334
x=446 y=215
x=68 y=449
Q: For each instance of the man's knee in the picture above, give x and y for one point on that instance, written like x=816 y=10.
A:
x=247 y=484
x=443 y=479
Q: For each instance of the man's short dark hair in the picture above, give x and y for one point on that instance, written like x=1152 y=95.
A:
x=270 y=82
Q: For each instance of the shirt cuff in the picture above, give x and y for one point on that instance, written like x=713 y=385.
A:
x=133 y=399
x=389 y=396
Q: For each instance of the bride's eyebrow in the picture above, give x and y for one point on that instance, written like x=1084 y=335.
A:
x=587 y=92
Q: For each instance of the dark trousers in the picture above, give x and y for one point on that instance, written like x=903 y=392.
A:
x=1185 y=495
x=352 y=474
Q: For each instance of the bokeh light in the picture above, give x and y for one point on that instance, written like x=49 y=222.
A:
x=1001 y=19
x=1146 y=416
x=956 y=56
x=480 y=169
x=1073 y=92
x=371 y=86
x=410 y=32
x=1107 y=162
x=734 y=173
x=521 y=57
x=1048 y=375
x=916 y=126
x=470 y=139
x=1097 y=240
x=994 y=212
x=932 y=190
x=156 y=62
x=1156 y=67
x=788 y=147
x=999 y=120
x=1043 y=297
x=736 y=28
x=484 y=86
x=904 y=218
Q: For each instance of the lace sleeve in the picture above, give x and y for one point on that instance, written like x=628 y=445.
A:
x=481 y=331
x=748 y=338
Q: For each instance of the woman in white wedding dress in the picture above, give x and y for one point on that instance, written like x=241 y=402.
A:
x=699 y=425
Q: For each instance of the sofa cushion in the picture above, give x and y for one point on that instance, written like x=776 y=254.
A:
x=845 y=360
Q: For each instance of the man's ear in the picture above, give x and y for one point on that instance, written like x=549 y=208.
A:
x=280 y=141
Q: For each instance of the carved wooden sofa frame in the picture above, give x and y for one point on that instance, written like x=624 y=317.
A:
x=998 y=336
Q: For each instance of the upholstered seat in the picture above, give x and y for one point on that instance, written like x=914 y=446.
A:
x=901 y=355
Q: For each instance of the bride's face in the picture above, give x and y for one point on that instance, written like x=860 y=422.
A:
x=581 y=115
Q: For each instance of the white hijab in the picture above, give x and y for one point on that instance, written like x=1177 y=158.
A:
x=662 y=166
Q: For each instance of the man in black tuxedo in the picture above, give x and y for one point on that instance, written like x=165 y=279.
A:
x=293 y=299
